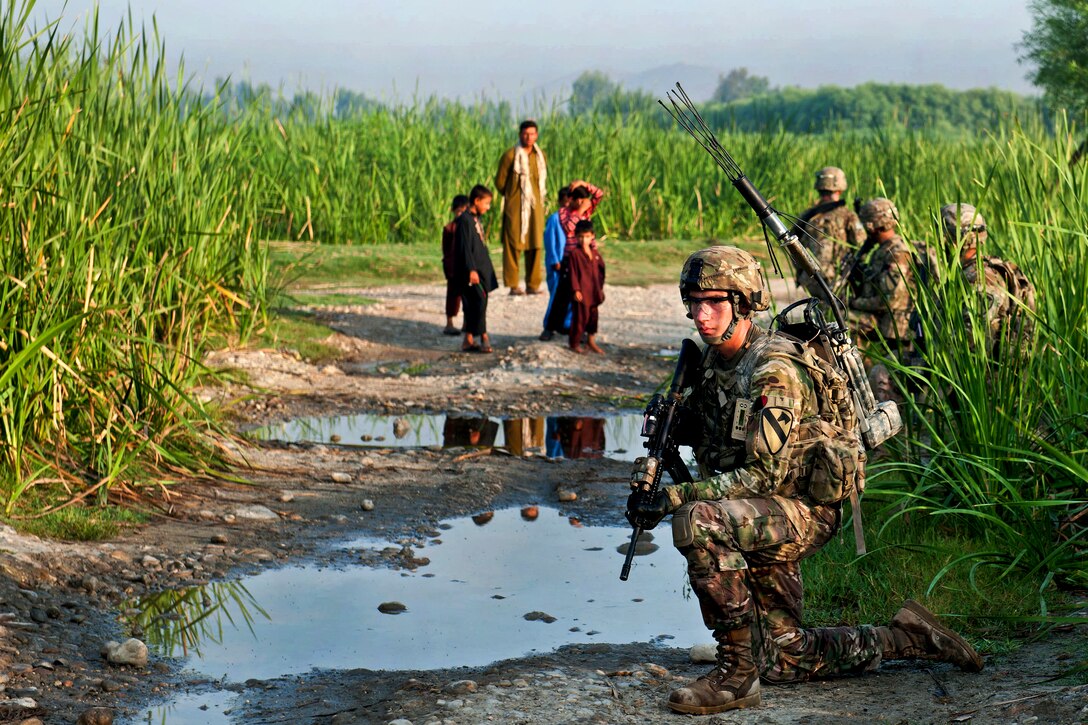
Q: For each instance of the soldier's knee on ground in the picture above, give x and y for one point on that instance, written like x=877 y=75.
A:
x=783 y=655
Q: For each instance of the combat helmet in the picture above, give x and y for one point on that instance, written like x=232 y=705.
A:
x=878 y=214
x=730 y=270
x=963 y=221
x=831 y=178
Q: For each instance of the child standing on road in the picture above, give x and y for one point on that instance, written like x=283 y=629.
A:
x=587 y=287
x=474 y=270
x=555 y=242
x=584 y=198
x=449 y=256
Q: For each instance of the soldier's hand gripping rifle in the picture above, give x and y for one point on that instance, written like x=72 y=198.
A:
x=850 y=269
x=876 y=421
x=662 y=451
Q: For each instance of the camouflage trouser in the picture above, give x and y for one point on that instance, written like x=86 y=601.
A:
x=744 y=566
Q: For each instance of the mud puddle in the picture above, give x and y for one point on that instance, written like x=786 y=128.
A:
x=614 y=436
x=199 y=708
x=498 y=585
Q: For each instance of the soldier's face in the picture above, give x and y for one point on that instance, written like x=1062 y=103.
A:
x=712 y=312
x=528 y=137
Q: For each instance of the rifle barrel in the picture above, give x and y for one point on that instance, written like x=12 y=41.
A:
x=626 y=570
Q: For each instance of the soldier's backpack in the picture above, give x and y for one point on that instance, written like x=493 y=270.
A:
x=1017 y=328
x=831 y=466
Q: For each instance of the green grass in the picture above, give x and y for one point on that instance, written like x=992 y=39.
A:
x=842 y=588
x=81 y=523
x=315 y=271
x=126 y=235
x=299 y=332
x=328 y=299
x=308 y=268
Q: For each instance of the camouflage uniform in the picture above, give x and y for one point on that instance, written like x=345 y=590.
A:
x=881 y=301
x=882 y=304
x=746 y=525
x=882 y=289
x=1009 y=294
x=775 y=438
x=829 y=230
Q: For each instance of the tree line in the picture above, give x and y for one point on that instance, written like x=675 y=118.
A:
x=752 y=105
x=747 y=102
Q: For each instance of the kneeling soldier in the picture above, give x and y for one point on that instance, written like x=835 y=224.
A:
x=777 y=455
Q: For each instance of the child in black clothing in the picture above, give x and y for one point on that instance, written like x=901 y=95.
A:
x=449 y=256
x=474 y=271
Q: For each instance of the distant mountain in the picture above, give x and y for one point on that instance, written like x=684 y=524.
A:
x=699 y=81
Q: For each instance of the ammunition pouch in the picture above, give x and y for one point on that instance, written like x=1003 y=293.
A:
x=880 y=425
x=831 y=463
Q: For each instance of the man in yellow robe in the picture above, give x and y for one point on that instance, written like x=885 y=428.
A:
x=521 y=182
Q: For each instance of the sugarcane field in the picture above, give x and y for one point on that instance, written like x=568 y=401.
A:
x=351 y=374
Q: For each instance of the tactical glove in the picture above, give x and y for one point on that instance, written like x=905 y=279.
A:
x=646 y=512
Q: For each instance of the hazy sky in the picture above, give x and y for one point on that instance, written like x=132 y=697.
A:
x=508 y=48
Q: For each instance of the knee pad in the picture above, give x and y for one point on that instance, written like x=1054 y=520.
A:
x=683 y=534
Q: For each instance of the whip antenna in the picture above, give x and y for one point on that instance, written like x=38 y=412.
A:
x=685 y=113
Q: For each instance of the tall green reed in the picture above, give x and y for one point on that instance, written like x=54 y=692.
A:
x=997 y=441
x=127 y=220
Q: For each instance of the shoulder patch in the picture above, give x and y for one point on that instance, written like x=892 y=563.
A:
x=775 y=424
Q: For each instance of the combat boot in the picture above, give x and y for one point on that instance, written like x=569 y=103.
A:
x=915 y=633
x=732 y=684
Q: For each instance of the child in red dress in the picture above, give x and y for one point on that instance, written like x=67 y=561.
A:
x=587 y=287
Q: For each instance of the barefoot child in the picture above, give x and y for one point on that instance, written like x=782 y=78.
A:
x=587 y=287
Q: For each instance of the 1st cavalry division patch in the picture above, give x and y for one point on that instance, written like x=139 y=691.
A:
x=774 y=425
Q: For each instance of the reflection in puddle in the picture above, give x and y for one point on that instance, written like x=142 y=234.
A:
x=178 y=622
x=468 y=606
x=205 y=708
x=615 y=436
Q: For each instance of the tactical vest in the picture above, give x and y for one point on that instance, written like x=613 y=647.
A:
x=826 y=455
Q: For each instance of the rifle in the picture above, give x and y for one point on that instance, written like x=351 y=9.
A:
x=877 y=422
x=850 y=269
x=662 y=453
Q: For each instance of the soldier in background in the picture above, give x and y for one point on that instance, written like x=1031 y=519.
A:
x=1010 y=295
x=829 y=230
x=778 y=452
x=882 y=290
x=882 y=287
